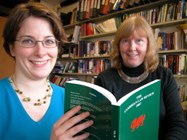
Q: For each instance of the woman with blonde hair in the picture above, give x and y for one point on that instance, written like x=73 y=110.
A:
x=135 y=62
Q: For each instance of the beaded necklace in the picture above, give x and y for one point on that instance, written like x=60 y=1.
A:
x=37 y=102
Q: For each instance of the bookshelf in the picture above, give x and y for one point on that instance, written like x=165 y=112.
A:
x=165 y=26
x=118 y=13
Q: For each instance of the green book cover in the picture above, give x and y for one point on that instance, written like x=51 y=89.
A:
x=133 y=116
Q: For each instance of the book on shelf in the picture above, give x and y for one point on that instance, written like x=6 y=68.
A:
x=92 y=9
x=137 y=2
x=82 y=9
x=131 y=3
x=76 y=33
x=133 y=116
x=73 y=16
x=68 y=51
x=89 y=28
x=78 y=11
x=116 y=5
x=124 y=4
x=88 y=9
x=108 y=25
x=98 y=7
x=110 y=5
x=105 y=7
x=102 y=6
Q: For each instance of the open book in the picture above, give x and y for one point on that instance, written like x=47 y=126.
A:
x=134 y=116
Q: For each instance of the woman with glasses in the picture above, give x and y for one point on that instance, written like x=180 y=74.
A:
x=31 y=107
x=135 y=62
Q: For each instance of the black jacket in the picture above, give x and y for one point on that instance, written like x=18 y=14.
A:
x=172 y=123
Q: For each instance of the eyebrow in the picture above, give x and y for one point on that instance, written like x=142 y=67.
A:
x=34 y=38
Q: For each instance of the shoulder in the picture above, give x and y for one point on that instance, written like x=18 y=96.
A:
x=107 y=72
x=4 y=81
x=166 y=76
x=163 y=71
x=57 y=88
x=107 y=76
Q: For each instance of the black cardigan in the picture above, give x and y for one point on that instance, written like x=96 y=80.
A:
x=172 y=123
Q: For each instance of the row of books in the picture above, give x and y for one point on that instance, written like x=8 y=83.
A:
x=87 y=9
x=60 y=80
x=89 y=66
x=89 y=28
x=183 y=97
x=93 y=66
x=93 y=8
x=68 y=52
x=176 y=62
x=68 y=67
x=183 y=92
x=170 y=40
x=109 y=25
x=165 y=13
x=89 y=48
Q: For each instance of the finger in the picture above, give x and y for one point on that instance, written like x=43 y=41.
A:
x=74 y=120
x=82 y=136
x=78 y=128
x=68 y=115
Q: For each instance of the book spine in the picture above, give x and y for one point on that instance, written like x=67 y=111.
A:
x=115 y=122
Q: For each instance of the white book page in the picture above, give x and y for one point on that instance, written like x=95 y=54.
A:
x=103 y=91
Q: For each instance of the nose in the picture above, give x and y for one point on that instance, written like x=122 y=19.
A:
x=132 y=45
x=40 y=49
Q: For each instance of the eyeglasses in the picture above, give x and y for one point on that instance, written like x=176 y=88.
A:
x=28 y=42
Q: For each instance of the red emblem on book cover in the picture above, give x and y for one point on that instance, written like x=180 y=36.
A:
x=137 y=122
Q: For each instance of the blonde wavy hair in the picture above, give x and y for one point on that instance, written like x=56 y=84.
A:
x=139 y=25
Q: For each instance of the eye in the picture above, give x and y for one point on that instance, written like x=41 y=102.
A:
x=49 y=41
x=27 y=41
x=139 y=41
x=124 y=41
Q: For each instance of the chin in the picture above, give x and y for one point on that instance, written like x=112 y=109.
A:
x=133 y=65
x=41 y=75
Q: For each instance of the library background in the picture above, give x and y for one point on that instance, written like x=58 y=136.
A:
x=90 y=26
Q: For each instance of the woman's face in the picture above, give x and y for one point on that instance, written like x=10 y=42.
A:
x=35 y=62
x=133 y=50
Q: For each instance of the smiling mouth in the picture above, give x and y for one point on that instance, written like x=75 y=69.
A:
x=39 y=62
x=132 y=55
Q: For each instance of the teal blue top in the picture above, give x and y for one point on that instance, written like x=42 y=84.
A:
x=16 y=124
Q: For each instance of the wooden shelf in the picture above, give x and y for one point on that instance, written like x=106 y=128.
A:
x=164 y=24
x=118 y=13
x=108 y=56
x=86 y=57
x=98 y=35
x=180 y=76
x=76 y=74
x=95 y=74
x=169 y=23
x=92 y=57
x=172 y=51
